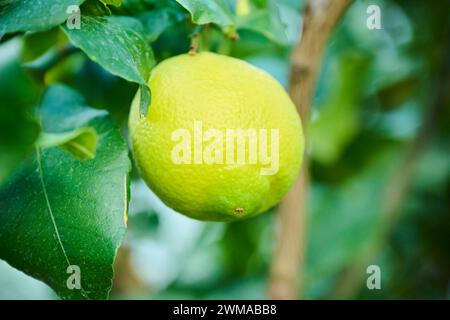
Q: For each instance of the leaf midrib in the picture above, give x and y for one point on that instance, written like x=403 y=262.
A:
x=50 y=211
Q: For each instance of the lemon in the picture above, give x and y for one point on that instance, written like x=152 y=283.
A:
x=221 y=140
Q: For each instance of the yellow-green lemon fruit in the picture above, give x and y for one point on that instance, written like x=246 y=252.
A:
x=221 y=139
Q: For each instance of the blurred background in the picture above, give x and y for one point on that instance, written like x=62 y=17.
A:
x=379 y=159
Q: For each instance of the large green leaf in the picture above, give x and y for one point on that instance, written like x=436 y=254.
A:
x=209 y=11
x=57 y=211
x=118 y=46
x=33 y=15
x=18 y=93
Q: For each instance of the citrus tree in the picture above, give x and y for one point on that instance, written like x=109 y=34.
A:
x=103 y=100
x=65 y=191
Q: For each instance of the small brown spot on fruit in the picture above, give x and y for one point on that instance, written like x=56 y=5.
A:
x=239 y=210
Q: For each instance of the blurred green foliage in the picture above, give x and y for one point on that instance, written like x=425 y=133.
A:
x=372 y=97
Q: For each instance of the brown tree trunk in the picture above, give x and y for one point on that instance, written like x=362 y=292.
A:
x=319 y=20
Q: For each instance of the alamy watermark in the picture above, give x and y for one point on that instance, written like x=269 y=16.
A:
x=74 y=280
x=229 y=146
x=374 y=280
x=74 y=19
x=374 y=18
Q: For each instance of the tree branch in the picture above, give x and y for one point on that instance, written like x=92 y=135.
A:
x=320 y=19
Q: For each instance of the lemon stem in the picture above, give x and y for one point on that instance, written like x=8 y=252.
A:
x=195 y=40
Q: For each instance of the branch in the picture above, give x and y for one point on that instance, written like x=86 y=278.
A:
x=320 y=19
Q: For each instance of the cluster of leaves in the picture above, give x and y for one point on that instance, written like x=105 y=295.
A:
x=64 y=166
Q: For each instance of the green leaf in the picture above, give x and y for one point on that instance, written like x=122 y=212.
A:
x=81 y=142
x=157 y=21
x=111 y=42
x=116 y=3
x=118 y=46
x=18 y=94
x=57 y=211
x=95 y=8
x=265 y=21
x=33 y=15
x=337 y=122
x=209 y=11
x=38 y=43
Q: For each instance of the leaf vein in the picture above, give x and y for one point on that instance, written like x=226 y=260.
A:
x=50 y=210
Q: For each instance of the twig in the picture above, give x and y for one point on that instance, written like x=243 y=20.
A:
x=320 y=19
x=195 y=40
